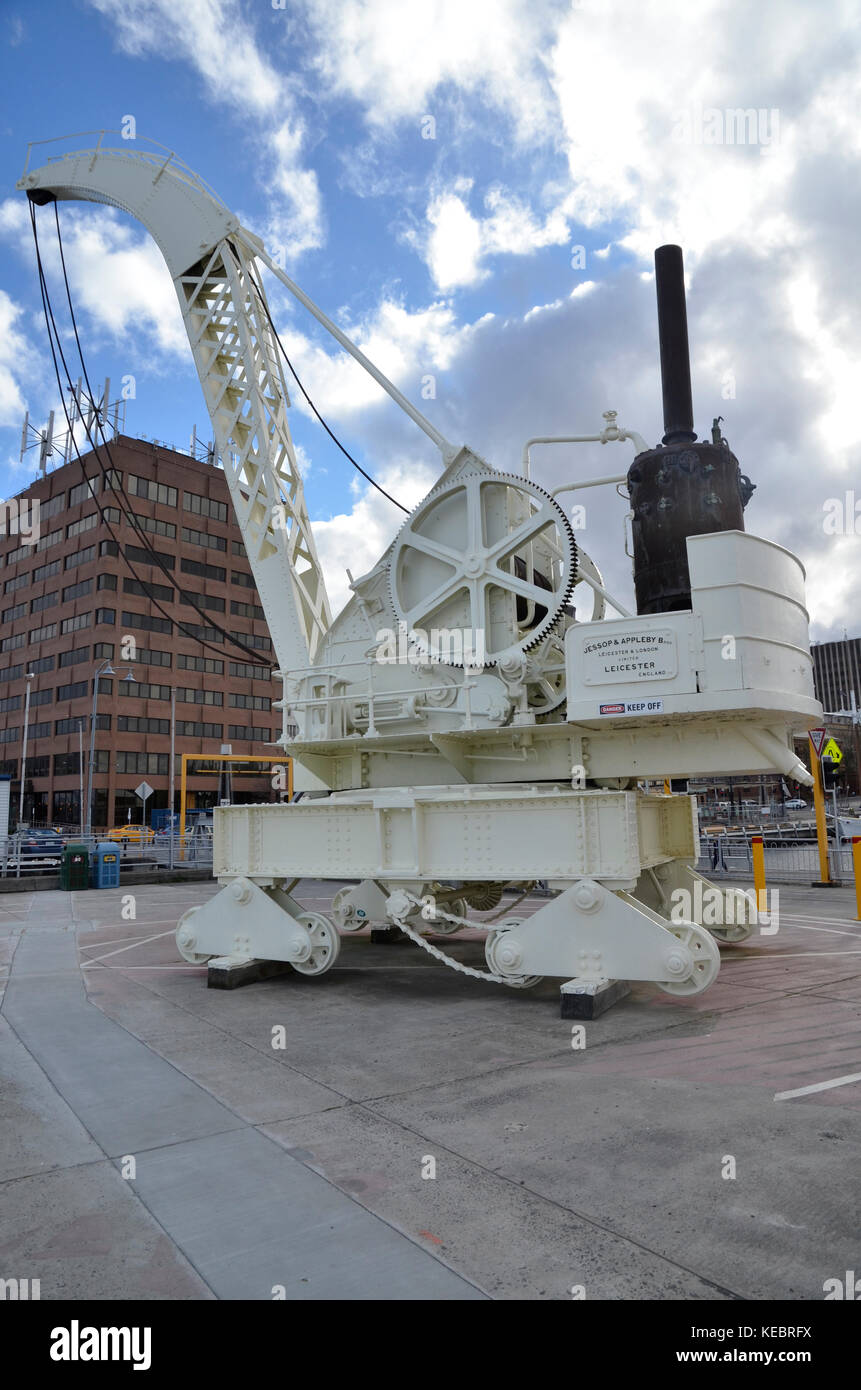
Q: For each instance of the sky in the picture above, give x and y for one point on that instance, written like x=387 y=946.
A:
x=473 y=190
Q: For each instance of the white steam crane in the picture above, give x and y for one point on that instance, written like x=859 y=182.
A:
x=461 y=726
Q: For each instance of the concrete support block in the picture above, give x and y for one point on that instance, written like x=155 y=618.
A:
x=224 y=972
x=589 y=998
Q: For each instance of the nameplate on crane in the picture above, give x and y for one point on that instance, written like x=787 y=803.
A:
x=629 y=655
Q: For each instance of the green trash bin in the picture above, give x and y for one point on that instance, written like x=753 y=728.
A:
x=75 y=867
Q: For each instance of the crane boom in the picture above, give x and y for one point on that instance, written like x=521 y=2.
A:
x=227 y=321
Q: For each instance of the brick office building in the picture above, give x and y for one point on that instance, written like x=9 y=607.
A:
x=69 y=603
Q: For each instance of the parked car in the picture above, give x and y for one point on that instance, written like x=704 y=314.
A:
x=41 y=843
x=131 y=834
x=796 y=804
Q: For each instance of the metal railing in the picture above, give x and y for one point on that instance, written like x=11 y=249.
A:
x=20 y=859
x=790 y=857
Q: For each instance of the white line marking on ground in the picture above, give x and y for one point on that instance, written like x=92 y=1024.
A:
x=94 y=960
x=819 y=1086
x=841 y=921
x=788 y=955
x=833 y=931
x=178 y=966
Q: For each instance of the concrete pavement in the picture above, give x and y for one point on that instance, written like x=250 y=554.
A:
x=421 y=1135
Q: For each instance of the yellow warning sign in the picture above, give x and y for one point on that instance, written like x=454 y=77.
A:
x=832 y=751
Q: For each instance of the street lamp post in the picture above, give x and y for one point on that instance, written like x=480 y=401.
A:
x=29 y=678
x=172 y=771
x=106 y=669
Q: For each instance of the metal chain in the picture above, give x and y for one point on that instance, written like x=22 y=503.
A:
x=441 y=955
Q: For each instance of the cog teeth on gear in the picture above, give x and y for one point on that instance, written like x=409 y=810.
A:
x=556 y=602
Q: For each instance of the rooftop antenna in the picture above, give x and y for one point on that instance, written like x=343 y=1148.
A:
x=47 y=440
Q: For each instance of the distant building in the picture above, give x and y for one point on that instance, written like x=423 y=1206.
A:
x=70 y=602
x=837 y=674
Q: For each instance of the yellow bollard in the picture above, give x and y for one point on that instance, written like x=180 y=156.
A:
x=856 y=864
x=819 y=808
x=758 y=854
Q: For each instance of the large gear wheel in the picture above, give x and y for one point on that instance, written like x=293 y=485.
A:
x=482 y=569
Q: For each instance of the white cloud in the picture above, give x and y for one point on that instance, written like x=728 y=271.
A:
x=397 y=60
x=216 y=39
x=117 y=276
x=405 y=346
x=19 y=363
x=355 y=540
x=457 y=244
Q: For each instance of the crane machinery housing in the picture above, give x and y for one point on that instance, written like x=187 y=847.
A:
x=482 y=712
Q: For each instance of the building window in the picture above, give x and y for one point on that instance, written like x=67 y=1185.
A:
x=84 y=491
x=11 y=673
x=140 y=620
x=42 y=634
x=200 y=663
x=200 y=697
x=237 y=548
x=71 y=726
x=52 y=507
x=10 y=614
x=86 y=523
x=106 y=617
x=251 y=640
x=74 y=691
x=40 y=730
x=9 y=644
x=246 y=610
x=249 y=702
x=22 y=580
x=148 y=557
x=46 y=571
x=82 y=557
x=246 y=580
x=148 y=590
x=75 y=624
x=195 y=600
x=109 y=548
x=147 y=487
x=152 y=657
x=10 y=735
x=245 y=671
x=153 y=524
x=40 y=766
x=142 y=762
x=68 y=764
x=11 y=702
x=41 y=697
x=203 y=571
x=38 y=605
x=45 y=663
x=107 y=581
x=202 y=633
x=103 y=650
x=192 y=537
x=249 y=733
x=136 y=724
x=189 y=728
x=83 y=586
x=75 y=656
x=141 y=690
x=204 y=506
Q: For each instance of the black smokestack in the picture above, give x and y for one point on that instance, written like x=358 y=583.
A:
x=673 y=337
x=681 y=488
